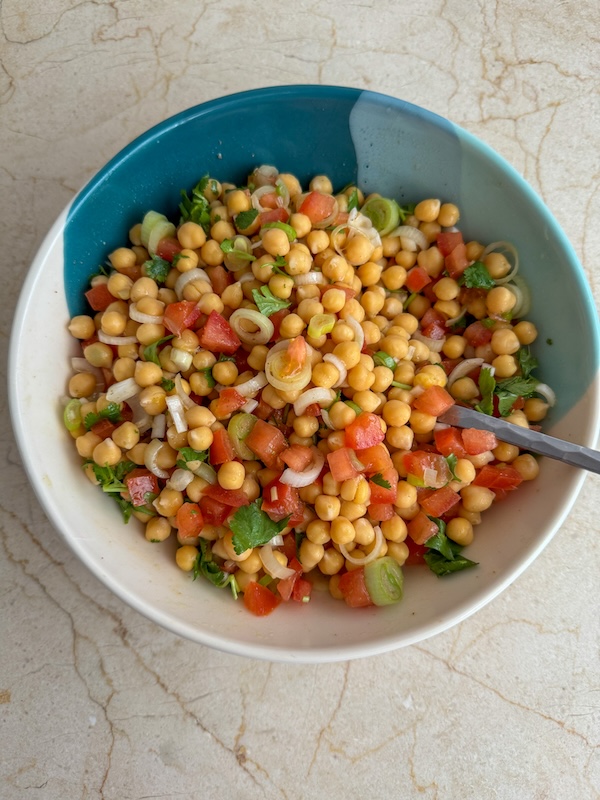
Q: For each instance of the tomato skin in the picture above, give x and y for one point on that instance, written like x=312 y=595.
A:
x=433 y=324
x=180 y=316
x=434 y=400
x=277 y=318
x=302 y=588
x=375 y=459
x=342 y=464
x=354 y=589
x=213 y=511
x=416 y=279
x=280 y=501
x=379 y=494
x=439 y=502
x=415 y=553
x=449 y=442
x=502 y=478
x=218 y=336
x=141 y=482
x=103 y=428
x=365 y=431
x=259 y=600
x=273 y=215
x=477 y=442
x=189 y=520
x=457 y=262
x=221 y=449
x=317 y=206
x=234 y=498
x=381 y=512
x=228 y=401
x=417 y=461
x=168 y=248
x=267 y=442
x=421 y=528
x=297 y=457
x=477 y=334
x=99 y=297
x=446 y=242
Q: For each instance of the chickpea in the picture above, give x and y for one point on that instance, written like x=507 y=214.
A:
x=185 y=557
x=200 y=438
x=143 y=287
x=211 y=252
x=225 y=372
x=460 y=530
x=394 y=529
x=82 y=327
x=476 y=498
x=231 y=475
x=157 y=529
x=98 y=355
x=86 y=443
x=527 y=466
x=123 y=258
x=358 y=250
x=126 y=435
x=310 y=554
x=146 y=373
x=106 y=453
x=301 y=224
x=427 y=210
x=327 y=507
x=332 y=562
x=342 y=531
x=449 y=215
x=526 y=332
x=500 y=300
x=82 y=384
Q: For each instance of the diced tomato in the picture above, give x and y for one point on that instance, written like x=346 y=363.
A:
x=285 y=586
x=180 y=316
x=477 y=442
x=313 y=410
x=434 y=400
x=341 y=218
x=502 y=478
x=220 y=279
x=103 y=428
x=380 y=512
x=277 y=318
x=440 y=501
x=433 y=324
x=446 y=242
x=416 y=279
x=234 y=498
x=269 y=200
x=213 y=511
x=420 y=463
x=168 y=248
x=449 y=442
x=317 y=206
x=263 y=410
x=347 y=290
x=273 y=215
x=260 y=600
x=280 y=501
x=99 y=297
x=415 y=553
x=421 y=528
x=375 y=459
x=343 y=464
x=365 y=431
x=218 y=336
x=141 y=483
x=228 y=401
x=302 y=589
x=189 y=520
x=267 y=442
x=297 y=457
x=221 y=449
x=380 y=494
x=289 y=548
x=457 y=262
x=354 y=589
x=477 y=334
x=296 y=353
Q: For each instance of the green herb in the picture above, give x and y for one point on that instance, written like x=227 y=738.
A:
x=487 y=384
x=409 y=300
x=549 y=341
x=299 y=537
x=224 y=357
x=406 y=211
x=157 y=269
x=111 y=412
x=382 y=359
x=167 y=384
x=444 y=556
x=452 y=460
x=196 y=208
x=189 y=454
x=380 y=481
x=510 y=389
x=151 y=350
x=287 y=229
x=111 y=481
x=207 y=371
x=252 y=527
x=336 y=399
x=245 y=219
x=398 y=385
x=488 y=322
x=266 y=301
x=526 y=361
x=103 y=269
x=228 y=246
x=205 y=566
x=353 y=200
x=477 y=276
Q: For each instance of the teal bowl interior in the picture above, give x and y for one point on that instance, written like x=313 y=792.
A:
x=387 y=146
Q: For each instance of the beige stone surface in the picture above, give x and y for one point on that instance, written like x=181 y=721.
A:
x=97 y=702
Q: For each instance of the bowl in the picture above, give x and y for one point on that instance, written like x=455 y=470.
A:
x=388 y=146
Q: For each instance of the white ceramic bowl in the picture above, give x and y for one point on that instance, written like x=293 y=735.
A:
x=391 y=147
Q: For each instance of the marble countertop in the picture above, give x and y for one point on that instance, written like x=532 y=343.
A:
x=96 y=701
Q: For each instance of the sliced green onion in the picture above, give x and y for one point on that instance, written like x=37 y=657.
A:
x=384 y=581
x=288 y=230
x=357 y=409
x=399 y=385
x=239 y=427
x=72 y=415
x=321 y=324
x=383 y=213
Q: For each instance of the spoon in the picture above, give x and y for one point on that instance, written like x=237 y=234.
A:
x=575 y=454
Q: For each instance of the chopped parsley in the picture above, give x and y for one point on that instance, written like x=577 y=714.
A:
x=207 y=372
x=266 y=301
x=451 y=460
x=380 y=481
x=188 y=454
x=151 y=350
x=111 y=412
x=111 y=479
x=252 y=527
x=205 y=566
x=353 y=200
x=197 y=208
x=444 y=556
x=245 y=219
x=406 y=211
x=477 y=276
x=157 y=269
x=382 y=359
x=526 y=361
x=506 y=390
x=487 y=384
x=167 y=384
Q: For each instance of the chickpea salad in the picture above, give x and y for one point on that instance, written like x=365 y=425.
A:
x=260 y=383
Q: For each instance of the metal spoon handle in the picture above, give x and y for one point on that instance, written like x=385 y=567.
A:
x=575 y=454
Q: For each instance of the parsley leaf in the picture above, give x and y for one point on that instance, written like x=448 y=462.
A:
x=406 y=211
x=196 y=208
x=157 y=269
x=510 y=389
x=244 y=219
x=111 y=412
x=189 y=454
x=111 y=479
x=444 y=556
x=353 y=200
x=382 y=359
x=477 y=276
x=526 y=361
x=451 y=460
x=167 y=384
x=228 y=246
x=252 y=527
x=151 y=350
x=266 y=301
x=224 y=357
x=380 y=481
x=209 y=569
x=487 y=384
